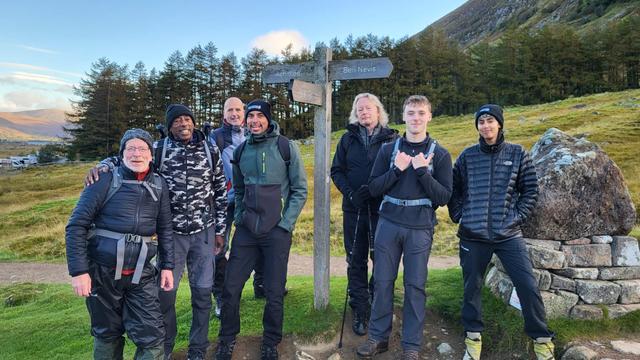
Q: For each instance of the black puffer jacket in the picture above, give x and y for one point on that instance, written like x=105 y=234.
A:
x=131 y=210
x=353 y=161
x=494 y=190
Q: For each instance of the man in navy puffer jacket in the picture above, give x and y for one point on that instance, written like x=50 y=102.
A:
x=494 y=191
x=111 y=237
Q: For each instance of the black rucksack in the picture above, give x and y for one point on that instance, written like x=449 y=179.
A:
x=219 y=139
x=283 y=148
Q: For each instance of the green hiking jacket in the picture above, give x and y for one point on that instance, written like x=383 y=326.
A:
x=268 y=193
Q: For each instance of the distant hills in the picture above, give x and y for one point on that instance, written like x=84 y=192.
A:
x=478 y=20
x=44 y=124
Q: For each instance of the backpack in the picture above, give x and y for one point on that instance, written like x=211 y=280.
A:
x=396 y=148
x=219 y=139
x=154 y=187
x=283 y=148
x=160 y=153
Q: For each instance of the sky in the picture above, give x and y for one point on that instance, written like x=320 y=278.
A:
x=46 y=47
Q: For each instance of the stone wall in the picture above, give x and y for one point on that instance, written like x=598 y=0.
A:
x=580 y=278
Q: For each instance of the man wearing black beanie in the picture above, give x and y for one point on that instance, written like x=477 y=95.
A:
x=494 y=191
x=193 y=170
x=270 y=191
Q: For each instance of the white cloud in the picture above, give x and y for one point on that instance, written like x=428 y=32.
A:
x=32 y=100
x=37 y=68
x=36 y=49
x=275 y=41
x=21 y=77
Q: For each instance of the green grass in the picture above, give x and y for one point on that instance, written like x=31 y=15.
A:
x=36 y=202
x=49 y=322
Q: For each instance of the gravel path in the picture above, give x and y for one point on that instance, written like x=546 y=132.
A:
x=16 y=272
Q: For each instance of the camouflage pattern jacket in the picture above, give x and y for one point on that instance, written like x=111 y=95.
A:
x=198 y=193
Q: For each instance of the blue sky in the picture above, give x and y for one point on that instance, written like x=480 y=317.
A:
x=47 y=46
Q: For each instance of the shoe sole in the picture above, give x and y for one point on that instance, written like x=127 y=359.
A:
x=367 y=357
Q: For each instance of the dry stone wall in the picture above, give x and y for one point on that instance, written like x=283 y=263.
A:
x=582 y=261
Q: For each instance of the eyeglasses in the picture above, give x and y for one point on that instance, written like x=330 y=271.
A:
x=136 y=148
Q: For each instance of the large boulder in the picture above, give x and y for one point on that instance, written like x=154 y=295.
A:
x=582 y=191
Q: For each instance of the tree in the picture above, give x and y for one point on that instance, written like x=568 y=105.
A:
x=101 y=115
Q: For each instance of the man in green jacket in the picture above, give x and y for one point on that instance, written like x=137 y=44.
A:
x=270 y=190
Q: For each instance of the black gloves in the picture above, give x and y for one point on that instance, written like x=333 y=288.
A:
x=360 y=197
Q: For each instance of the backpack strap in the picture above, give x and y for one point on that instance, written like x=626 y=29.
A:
x=432 y=148
x=394 y=153
x=237 y=155
x=116 y=183
x=208 y=151
x=154 y=187
x=162 y=150
x=219 y=139
x=285 y=150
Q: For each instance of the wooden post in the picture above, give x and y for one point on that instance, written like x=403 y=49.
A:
x=322 y=71
x=321 y=206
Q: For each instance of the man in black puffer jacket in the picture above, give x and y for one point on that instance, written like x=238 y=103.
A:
x=494 y=191
x=118 y=225
x=352 y=163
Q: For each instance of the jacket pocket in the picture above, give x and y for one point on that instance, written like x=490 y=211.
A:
x=262 y=207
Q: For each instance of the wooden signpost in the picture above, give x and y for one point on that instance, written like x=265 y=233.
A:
x=310 y=82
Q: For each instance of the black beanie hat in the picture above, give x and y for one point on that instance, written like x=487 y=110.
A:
x=175 y=110
x=493 y=110
x=261 y=106
x=135 y=134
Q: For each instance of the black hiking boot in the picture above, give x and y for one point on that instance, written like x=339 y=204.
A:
x=360 y=323
x=268 y=352
x=371 y=348
x=224 y=351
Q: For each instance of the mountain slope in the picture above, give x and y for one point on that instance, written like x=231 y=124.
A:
x=44 y=124
x=478 y=20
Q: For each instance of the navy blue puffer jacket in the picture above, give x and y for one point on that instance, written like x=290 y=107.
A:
x=494 y=190
x=131 y=210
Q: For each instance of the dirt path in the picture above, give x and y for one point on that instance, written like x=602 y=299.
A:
x=436 y=332
x=15 y=272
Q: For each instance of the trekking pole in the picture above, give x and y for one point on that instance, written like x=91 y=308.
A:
x=346 y=295
x=371 y=247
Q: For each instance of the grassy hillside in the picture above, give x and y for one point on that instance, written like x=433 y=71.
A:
x=35 y=204
x=478 y=20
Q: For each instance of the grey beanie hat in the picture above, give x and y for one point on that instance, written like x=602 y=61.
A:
x=135 y=133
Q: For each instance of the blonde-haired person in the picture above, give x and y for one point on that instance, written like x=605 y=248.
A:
x=357 y=150
x=383 y=117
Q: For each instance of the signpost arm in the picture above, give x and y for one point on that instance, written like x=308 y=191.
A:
x=321 y=187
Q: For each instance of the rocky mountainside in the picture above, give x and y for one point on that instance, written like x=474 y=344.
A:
x=43 y=124
x=478 y=20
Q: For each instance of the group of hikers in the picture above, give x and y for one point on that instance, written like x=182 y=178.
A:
x=160 y=206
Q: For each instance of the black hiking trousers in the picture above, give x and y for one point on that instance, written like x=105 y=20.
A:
x=474 y=258
x=116 y=306
x=359 y=288
x=247 y=248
